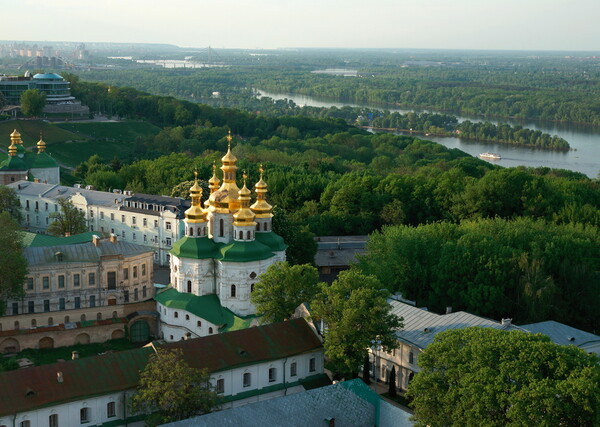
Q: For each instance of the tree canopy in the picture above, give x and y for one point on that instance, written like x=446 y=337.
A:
x=9 y=202
x=282 y=288
x=68 y=221
x=33 y=102
x=171 y=390
x=357 y=317
x=13 y=265
x=484 y=376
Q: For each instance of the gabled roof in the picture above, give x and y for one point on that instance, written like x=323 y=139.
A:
x=26 y=389
x=37 y=240
x=563 y=334
x=421 y=326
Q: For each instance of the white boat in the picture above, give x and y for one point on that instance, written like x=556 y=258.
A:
x=491 y=156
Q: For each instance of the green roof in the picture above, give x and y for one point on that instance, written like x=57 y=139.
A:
x=41 y=240
x=245 y=251
x=207 y=307
x=272 y=240
x=43 y=160
x=13 y=163
x=195 y=247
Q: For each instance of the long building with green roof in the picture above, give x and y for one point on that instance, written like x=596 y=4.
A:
x=228 y=244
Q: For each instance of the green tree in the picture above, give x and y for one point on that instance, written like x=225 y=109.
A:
x=68 y=221
x=33 y=102
x=171 y=390
x=13 y=266
x=9 y=202
x=392 y=387
x=357 y=315
x=282 y=288
x=490 y=377
x=302 y=247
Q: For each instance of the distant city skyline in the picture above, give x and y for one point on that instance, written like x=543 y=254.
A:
x=426 y=24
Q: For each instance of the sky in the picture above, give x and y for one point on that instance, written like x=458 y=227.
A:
x=429 y=24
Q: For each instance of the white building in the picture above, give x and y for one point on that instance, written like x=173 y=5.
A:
x=147 y=220
x=226 y=247
x=246 y=366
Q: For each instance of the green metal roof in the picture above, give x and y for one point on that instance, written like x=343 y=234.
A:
x=44 y=160
x=245 y=252
x=41 y=240
x=13 y=163
x=196 y=248
x=272 y=240
x=207 y=306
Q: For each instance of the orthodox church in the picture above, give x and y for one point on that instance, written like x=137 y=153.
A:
x=22 y=164
x=228 y=244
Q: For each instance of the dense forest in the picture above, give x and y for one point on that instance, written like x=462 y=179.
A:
x=458 y=220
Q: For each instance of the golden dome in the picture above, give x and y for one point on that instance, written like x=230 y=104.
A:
x=244 y=216
x=225 y=199
x=15 y=137
x=261 y=208
x=214 y=182
x=12 y=150
x=229 y=158
x=195 y=213
x=41 y=145
x=15 y=134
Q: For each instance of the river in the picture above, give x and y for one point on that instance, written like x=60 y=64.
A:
x=585 y=141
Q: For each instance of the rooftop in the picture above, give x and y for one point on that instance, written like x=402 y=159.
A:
x=37 y=240
x=55 y=192
x=563 y=334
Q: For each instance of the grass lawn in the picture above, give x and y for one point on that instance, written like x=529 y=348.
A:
x=118 y=131
x=44 y=357
x=73 y=153
x=30 y=132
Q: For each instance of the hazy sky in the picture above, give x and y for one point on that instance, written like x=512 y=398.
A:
x=436 y=24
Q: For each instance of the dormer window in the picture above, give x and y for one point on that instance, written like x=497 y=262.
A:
x=59 y=256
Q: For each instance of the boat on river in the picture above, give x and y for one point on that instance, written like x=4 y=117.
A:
x=490 y=156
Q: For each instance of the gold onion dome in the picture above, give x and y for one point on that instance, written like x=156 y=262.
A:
x=214 y=182
x=12 y=149
x=261 y=208
x=41 y=145
x=195 y=213
x=225 y=199
x=244 y=216
x=15 y=136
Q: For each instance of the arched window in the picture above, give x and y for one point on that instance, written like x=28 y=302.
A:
x=233 y=291
x=176 y=315
x=247 y=381
x=264 y=226
x=83 y=317
x=252 y=287
x=221 y=228
x=210 y=330
x=199 y=324
x=241 y=237
x=249 y=233
x=33 y=323
x=99 y=316
x=189 y=286
x=191 y=231
x=50 y=321
x=114 y=315
x=187 y=317
x=67 y=319
x=53 y=420
x=16 y=324
x=258 y=226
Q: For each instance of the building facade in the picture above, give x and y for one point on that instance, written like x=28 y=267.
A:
x=227 y=245
x=71 y=287
x=21 y=163
x=155 y=222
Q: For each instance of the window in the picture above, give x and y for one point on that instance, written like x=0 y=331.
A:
x=122 y=234
x=221 y=228
x=272 y=375
x=26 y=423
x=77 y=302
x=145 y=238
x=145 y=222
x=293 y=369
x=247 y=380
x=189 y=286
x=220 y=386
x=123 y=218
x=98 y=316
x=91 y=214
x=112 y=216
x=168 y=241
x=61 y=281
x=33 y=323
x=111 y=279
x=82 y=318
x=46 y=206
x=252 y=287
x=135 y=294
x=176 y=314
x=187 y=317
x=30 y=307
x=110 y=409
x=199 y=324
x=155 y=223
x=126 y=296
x=241 y=235
x=168 y=225
x=46 y=282
x=135 y=271
x=50 y=321
x=191 y=231
x=92 y=301
x=53 y=420
x=265 y=226
x=92 y=279
x=210 y=330
x=76 y=280
x=47 y=221
x=67 y=319
x=144 y=292
x=312 y=364
x=16 y=325
x=46 y=305
x=232 y=291
x=133 y=220
x=61 y=304
x=30 y=283
x=27 y=204
x=84 y=415
x=101 y=215
x=249 y=235
x=125 y=274
x=143 y=269
x=134 y=237
x=411 y=357
x=37 y=206
x=15 y=308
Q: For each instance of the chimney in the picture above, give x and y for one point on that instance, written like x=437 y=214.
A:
x=67 y=233
x=96 y=240
x=113 y=238
x=36 y=180
x=59 y=377
x=506 y=322
x=449 y=309
x=75 y=355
